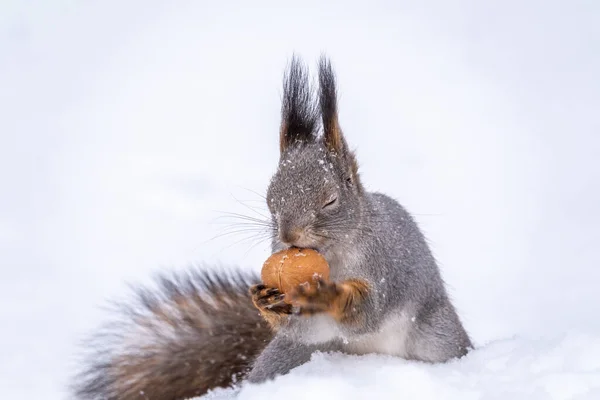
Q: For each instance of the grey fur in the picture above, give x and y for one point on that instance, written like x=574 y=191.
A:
x=362 y=235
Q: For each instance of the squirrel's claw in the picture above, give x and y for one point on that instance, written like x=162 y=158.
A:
x=316 y=298
x=269 y=299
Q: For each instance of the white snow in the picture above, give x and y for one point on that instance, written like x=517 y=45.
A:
x=566 y=367
x=128 y=128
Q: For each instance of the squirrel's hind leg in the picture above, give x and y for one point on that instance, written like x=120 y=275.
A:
x=438 y=335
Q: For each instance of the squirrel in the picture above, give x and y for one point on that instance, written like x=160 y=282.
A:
x=201 y=330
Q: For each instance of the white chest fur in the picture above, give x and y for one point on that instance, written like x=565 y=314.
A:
x=391 y=339
x=319 y=328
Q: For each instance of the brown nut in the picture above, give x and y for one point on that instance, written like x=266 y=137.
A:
x=292 y=267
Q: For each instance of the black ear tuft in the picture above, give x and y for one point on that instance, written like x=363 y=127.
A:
x=332 y=133
x=299 y=115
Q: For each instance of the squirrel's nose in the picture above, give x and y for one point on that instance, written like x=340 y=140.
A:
x=290 y=235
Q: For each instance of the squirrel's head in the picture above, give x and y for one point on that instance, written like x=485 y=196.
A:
x=315 y=196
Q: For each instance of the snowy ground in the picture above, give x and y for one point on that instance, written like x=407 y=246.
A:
x=563 y=368
x=126 y=127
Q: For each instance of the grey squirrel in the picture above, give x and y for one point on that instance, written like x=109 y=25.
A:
x=202 y=330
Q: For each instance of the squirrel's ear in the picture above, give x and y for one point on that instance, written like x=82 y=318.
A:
x=332 y=133
x=298 y=112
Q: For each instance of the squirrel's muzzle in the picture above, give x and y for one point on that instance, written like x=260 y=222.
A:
x=290 y=234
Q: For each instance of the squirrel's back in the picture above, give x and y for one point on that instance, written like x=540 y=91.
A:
x=196 y=332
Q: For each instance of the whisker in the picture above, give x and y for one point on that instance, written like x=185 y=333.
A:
x=254 y=244
x=255 y=192
x=227 y=214
x=244 y=225
x=248 y=207
x=253 y=232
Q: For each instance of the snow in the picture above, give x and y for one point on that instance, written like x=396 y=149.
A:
x=566 y=367
x=128 y=128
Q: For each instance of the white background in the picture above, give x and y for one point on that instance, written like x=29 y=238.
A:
x=127 y=126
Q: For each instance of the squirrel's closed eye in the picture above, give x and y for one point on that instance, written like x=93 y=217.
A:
x=331 y=202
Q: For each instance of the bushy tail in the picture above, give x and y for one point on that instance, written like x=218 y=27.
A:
x=197 y=331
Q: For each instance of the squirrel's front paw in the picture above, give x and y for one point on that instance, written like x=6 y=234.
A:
x=319 y=297
x=269 y=300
